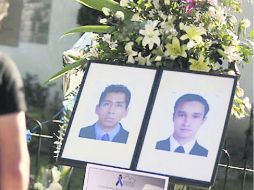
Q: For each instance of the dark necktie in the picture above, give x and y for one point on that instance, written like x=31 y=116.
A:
x=179 y=149
x=105 y=137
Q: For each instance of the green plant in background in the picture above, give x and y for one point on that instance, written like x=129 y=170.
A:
x=40 y=105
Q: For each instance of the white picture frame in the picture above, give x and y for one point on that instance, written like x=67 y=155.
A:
x=199 y=170
x=77 y=150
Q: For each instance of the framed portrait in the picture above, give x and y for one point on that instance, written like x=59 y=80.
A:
x=101 y=177
x=108 y=114
x=187 y=125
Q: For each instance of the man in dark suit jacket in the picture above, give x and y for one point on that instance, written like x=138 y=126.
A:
x=196 y=149
x=190 y=112
x=90 y=133
x=112 y=107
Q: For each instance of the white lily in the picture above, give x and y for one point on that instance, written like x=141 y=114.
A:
x=130 y=52
x=151 y=34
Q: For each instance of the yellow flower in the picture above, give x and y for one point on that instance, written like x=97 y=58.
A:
x=175 y=50
x=192 y=32
x=199 y=65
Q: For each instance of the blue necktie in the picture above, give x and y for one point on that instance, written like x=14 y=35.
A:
x=105 y=137
x=179 y=149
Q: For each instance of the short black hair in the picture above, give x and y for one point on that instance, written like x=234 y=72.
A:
x=116 y=88
x=192 y=97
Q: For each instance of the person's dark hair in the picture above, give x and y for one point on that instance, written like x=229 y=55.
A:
x=116 y=88
x=192 y=97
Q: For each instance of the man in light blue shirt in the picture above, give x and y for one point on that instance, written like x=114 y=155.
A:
x=190 y=112
x=112 y=107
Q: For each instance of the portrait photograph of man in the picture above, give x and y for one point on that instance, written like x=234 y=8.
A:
x=108 y=115
x=111 y=108
x=189 y=114
x=186 y=125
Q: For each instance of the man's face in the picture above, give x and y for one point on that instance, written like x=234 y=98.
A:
x=187 y=118
x=112 y=110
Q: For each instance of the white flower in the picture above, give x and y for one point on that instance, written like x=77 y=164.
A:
x=103 y=21
x=156 y=4
x=191 y=44
x=162 y=15
x=54 y=186
x=246 y=102
x=233 y=19
x=151 y=34
x=113 y=45
x=218 y=14
x=38 y=186
x=231 y=73
x=106 y=38
x=239 y=91
x=167 y=25
x=235 y=40
x=152 y=13
x=143 y=60
x=106 y=11
x=55 y=174
x=232 y=54
x=136 y=17
x=119 y=15
x=93 y=52
x=130 y=52
x=124 y=3
x=213 y=2
x=245 y=23
x=94 y=39
x=167 y=2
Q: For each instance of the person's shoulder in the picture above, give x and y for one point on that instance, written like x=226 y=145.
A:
x=6 y=63
x=87 y=128
x=87 y=132
x=9 y=70
x=163 y=144
x=122 y=130
x=202 y=151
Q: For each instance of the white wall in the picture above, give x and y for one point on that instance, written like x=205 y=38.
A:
x=46 y=60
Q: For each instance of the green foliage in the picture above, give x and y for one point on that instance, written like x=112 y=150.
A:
x=91 y=28
x=66 y=69
x=110 y=4
x=88 y=16
x=39 y=104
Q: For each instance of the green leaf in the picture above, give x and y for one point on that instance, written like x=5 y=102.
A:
x=90 y=28
x=251 y=35
x=66 y=69
x=112 y=5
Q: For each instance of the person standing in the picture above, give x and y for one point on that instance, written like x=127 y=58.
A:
x=14 y=155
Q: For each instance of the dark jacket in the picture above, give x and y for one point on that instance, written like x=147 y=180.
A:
x=89 y=132
x=197 y=149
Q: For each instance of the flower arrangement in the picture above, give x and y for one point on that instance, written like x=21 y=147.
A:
x=181 y=34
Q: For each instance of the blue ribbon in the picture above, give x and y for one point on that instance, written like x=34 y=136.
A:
x=119 y=180
x=28 y=135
